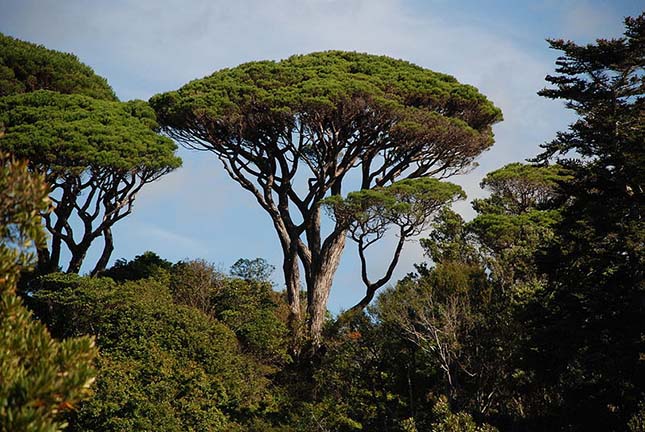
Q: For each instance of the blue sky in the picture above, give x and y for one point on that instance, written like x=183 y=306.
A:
x=144 y=47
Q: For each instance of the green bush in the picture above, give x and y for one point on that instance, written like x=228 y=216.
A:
x=163 y=366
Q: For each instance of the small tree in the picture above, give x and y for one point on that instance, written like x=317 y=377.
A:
x=96 y=156
x=409 y=205
x=516 y=220
x=437 y=312
x=301 y=130
x=257 y=269
x=520 y=188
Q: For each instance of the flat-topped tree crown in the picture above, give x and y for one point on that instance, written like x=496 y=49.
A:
x=292 y=131
x=72 y=133
x=375 y=101
x=519 y=188
x=26 y=67
x=95 y=155
x=96 y=152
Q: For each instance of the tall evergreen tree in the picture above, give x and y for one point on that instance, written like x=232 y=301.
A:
x=590 y=339
x=305 y=129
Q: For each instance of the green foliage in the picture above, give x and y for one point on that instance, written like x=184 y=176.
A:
x=504 y=231
x=95 y=154
x=450 y=240
x=515 y=221
x=455 y=422
x=73 y=133
x=250 y=309
x=518 y=188
x=326 y=415
x=257 y=269
x=323 y=82
x=586 y=346
x=163 y=366
x=407 y=203
x=194 y=283
x=95 y=151
x=22 y=197
x=144 y=266
x=324 y=118
x=374 y=375
x=361 y=380
x=438 y=313
x=473 y=303
x=39 y=377
x=27 y=67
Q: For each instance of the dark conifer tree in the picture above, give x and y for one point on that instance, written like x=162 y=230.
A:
x=590 y=339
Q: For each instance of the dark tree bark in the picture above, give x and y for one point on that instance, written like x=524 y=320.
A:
x=108 y=248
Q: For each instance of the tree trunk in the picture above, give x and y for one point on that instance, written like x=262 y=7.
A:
x=318 y=292
x=44 y=260
x=365 y=301
x=63 y=212
x=78 y=254
x=108 y=248
x=76 y=261
x=54 y=258
x=292 y=281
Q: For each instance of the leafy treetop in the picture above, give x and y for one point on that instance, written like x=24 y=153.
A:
x=517 y=188
x=294 y=133
x=26 y=67
x=257 y=269
x=267 y=96
x=68 y=133
x=96 y=156
x=604 y=84
x=408 y=205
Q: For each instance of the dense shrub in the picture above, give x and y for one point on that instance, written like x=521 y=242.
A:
x=162 y=366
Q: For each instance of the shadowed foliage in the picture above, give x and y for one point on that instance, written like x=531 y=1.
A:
x=588 y=344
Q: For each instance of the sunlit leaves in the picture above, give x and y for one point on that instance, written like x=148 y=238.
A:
x=39 y=377
x=408 y=204
x=70 y=133
x=26 y=67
